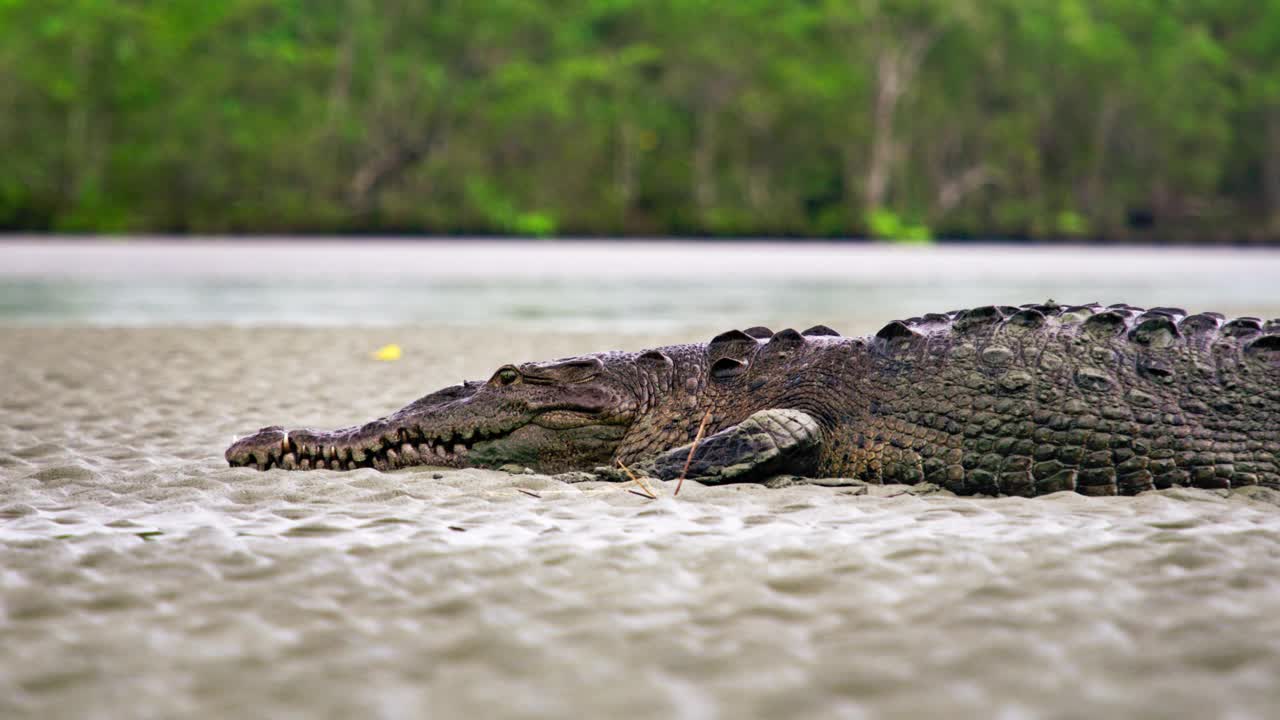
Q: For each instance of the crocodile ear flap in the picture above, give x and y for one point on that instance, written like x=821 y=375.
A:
x=727 y=368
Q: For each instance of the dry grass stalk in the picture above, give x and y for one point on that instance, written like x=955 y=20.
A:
x=702 y=428
x=644 y=485
x=530 y=493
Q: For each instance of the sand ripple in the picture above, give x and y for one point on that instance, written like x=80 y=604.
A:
x=141 y=577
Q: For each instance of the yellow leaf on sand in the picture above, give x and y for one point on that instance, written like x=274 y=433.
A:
x=387 y=352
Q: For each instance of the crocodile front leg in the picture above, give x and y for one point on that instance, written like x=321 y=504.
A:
x=767 y=443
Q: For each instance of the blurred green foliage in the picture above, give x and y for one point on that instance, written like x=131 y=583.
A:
x=902 y=119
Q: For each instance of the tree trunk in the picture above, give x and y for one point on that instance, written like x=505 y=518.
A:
x=953 y=190
x=896 y=69
x=395 y=158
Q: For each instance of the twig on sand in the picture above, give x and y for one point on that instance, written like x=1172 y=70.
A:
x=648 y=491
x=530 y=493
x=643 y=495
x=702 y=428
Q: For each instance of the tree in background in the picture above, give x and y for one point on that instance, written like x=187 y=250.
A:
x=895 y=118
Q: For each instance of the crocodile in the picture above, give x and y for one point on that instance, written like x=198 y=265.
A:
x=995 y=400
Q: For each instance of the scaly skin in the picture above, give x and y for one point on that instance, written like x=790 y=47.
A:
x=994 y=400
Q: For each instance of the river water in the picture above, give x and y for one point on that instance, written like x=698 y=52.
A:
x=141 y=577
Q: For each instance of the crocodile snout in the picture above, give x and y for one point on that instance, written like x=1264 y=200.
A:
x=265 y=447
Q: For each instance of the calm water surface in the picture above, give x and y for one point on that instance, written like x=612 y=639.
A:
x=585 y=286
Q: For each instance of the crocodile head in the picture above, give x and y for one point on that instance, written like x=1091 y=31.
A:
x=550 y=416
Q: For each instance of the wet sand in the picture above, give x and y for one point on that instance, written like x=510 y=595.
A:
x=141 y=577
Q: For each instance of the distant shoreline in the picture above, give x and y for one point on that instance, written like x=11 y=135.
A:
x=871 y=262
x=665 y=286
x=410 y=238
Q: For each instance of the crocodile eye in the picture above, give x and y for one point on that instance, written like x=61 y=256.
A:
x=507 y=375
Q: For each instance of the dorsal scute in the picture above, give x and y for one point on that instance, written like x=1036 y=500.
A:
x=896 y=336
x=759 y=332
x=819 y=331
x=1173 y=312
x=1130 y=313
x=730 y=353
x=784 y=339
x=1154 y=330
x=731 y=337
x=1109 y=323
x=733 y=343
x=1242 y=327
x=894 y=330
x=1264 y=350
x=1074 y=314
x=980 y=317
x=1026 y=318
x=929 y=323
x=1200 y=324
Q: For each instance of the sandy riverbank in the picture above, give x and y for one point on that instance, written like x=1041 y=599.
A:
x=140 y=577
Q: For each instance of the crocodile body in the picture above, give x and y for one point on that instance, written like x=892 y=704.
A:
x=995 y=400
